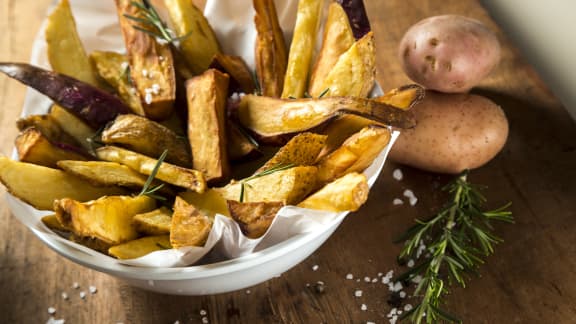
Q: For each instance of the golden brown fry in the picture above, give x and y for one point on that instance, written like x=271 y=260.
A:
x=199 y=44
x=271 y=54
x=113 y=67
x=156 y=222
x=108 y=218
x=241 y=79
x=142 y=135
x=354 y=72
x=302 y=48
x=34 y=147
x=404 y=97
x=173 y=174
x=74 y=126
x=48 y=126
x=240 y=145
x=52 y=222
x=209 y=202
x=151 y=64
x=207 y=95
x=64 y=49
x=254 y=218
x=189 y=227
x=336 y=40
x=140 y=247
x=355 y=154
x=347 y=193
x=302 y=149
x=289 y=186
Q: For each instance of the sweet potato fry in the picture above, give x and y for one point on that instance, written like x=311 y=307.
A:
x=254 y=218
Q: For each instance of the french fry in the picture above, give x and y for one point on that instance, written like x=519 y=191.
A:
x=173 y=174
x=140 y=247
x=74 y=126
x=189 y=227
x=241 y=79
x=254 y=218
x=206 y=95
x=302 y=48
x=34 y=147
x=48 y=126
x=240 y=145
x=271 y=55
x=155 y=222
x=355 y=154
x=108 y=218
x=64 y=49
x=209 y=202
x=346 y=193
x=302 y=149
x=336 y=40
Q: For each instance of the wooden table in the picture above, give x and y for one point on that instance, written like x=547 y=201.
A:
x=530 y=279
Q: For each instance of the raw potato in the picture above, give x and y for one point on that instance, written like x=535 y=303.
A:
x=454 y=132
x=449 y=53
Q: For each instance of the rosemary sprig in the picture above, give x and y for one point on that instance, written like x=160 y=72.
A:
x=151 y=23
x=458 y=236
x=276 y=168
x=150 y=192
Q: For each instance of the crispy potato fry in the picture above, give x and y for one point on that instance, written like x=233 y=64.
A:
x=189 y=227
x=113 y=67
x=173 y=174
x=404 y=97
x=241 y=79
x=39 y=186
x=108 y=218
x=346 y=193
x=354 y=72
x=302 y=48
x=271 y=54
x=48 y=126
x=147 y=137
x=254 y=218
x=209 y=202
x=52 y=222
x=355 y=154
x=207 y=124
x=156 y=222
x=289 y=186
x=240 y=145
x=336 y=40
x=34 y=147
x=339 y=129
x=140 y=247
x=64 y=49
x=302 y=149
x=199 y=44
x=151 y=64
x=74 y=126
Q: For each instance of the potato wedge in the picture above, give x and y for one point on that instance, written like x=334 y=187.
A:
x=288 y=186
x=34 y=147
x=156 y=222
x=108 y=218
x=302 y=149
x=103 y=173
x=269 y=117
x=48 y=126
x=254 y=218
x=206 y=96
x=271 y=54
x=209 y=202
x=240 y=146
x=48 y=184
x=336 y=40
x=355 y=154
x=145 y=136
x=189 y=227
x=173 y=174
x=52 y=222
x=74 y=126
x=151 y=64
x=404 y=97
x=140 y=247
x=346 y=193
x=302 y=48
x=113 y=67
x=354 y=73
x=200 y=44
x=241 y=79
x=64 y=48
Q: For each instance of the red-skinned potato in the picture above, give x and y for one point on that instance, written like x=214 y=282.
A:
x=448 y=53
x=454 y=132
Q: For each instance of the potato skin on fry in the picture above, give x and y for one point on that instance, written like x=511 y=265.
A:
x=254 y=218
x=34 y=147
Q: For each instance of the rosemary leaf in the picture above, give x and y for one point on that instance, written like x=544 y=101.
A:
x=146 y=190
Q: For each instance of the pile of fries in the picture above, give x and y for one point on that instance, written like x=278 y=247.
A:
x=141 y=150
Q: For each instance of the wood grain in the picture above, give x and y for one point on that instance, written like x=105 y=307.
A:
x=530 y=279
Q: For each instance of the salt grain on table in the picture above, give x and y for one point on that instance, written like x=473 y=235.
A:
x=397 y=174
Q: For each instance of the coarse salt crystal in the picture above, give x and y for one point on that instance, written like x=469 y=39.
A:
x=51 y=310
x=64 y=296
x=205 y=320
x=248 y=292
x=363 y=307
x=349 y=276
x=396 y=286
x=124 y=65
x=144 y=73
x=358 y=293
x=148 y=98
x=203 y=312
x=417 y=279
x=402 y=294
x=397 y=174
x=380 y=274
x=315 y=267
x=52 y=320
x=82 y=294
x=367 y=279
x=177 y=322
x=75 y=285
x=92 y=289
x=410 y=263
x=407 y=307
x=375 y=280
x=397 y=201
x=155 y=88
x=370 y=322
x=411 y=197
